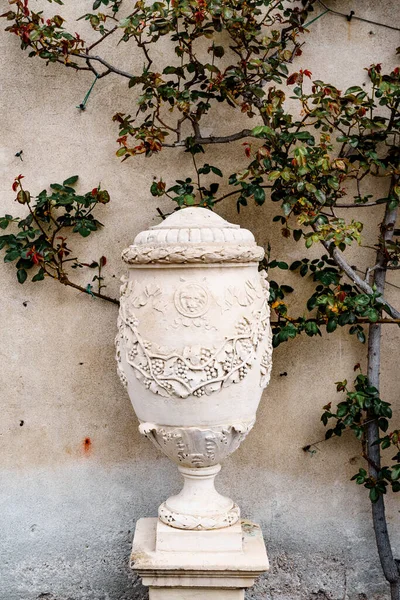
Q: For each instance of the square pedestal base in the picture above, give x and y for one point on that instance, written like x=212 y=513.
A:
x=178 y=573
x=194 y=594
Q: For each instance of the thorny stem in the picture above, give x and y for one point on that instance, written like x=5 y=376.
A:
x=198 y=176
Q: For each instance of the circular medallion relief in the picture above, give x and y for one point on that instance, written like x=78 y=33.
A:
x=191 y=300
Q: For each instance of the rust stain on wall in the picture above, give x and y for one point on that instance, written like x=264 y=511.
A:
x=87 y=445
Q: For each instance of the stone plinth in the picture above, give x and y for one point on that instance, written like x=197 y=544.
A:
x=198 y=565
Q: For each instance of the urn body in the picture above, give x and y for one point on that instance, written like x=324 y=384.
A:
x=194 y=350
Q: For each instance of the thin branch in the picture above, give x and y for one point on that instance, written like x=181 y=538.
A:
x=366 y=204
x=353 y=16
x=239 y=191
x=106 y=64
x=101 y=39
x=369 y=270
x=64 y=280
x=225 y=139
x=198 y=176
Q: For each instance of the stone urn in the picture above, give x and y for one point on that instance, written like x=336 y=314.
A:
x=194 y=351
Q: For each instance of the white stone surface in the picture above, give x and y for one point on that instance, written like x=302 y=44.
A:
x=228 y=539
x=194 y=351
x=191 y=594
x=198 y=505
x=197 y=572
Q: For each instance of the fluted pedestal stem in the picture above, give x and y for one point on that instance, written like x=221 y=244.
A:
x=198 y=505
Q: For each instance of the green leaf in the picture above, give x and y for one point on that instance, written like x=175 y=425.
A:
x=361 y=337
x=84 y=232
x=227 y=12
x=259 y=195
x=71 y=180
x=383 y=424
x=311 y=328
x=5 y=221
x=374 y=495
x=211 y=68
x=320 y=196
x=34 y=35
x=302 y=135
x=21 y=275
x=12 y=255
x=169 y=70
x=217 y=171
x=372 y=315
x=395 y=473
x=260 y=129
x=273 y=175
x=353 y=90
x=39 y=275
x=303 y=270
x=333 y=183
x=295 y=265
x=218 y=51
x=331 y=325
x=362 y=299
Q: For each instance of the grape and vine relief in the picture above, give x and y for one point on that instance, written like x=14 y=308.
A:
x=193 y=370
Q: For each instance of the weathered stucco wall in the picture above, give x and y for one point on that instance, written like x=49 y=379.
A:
x=68 y=507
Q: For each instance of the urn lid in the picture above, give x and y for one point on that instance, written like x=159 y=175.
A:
x=194 y=235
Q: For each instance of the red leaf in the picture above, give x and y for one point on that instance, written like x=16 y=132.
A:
x=292 y=78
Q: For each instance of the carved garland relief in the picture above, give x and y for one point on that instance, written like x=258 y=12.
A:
x=194 y=370
x=181 y=521
x=196 y=446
